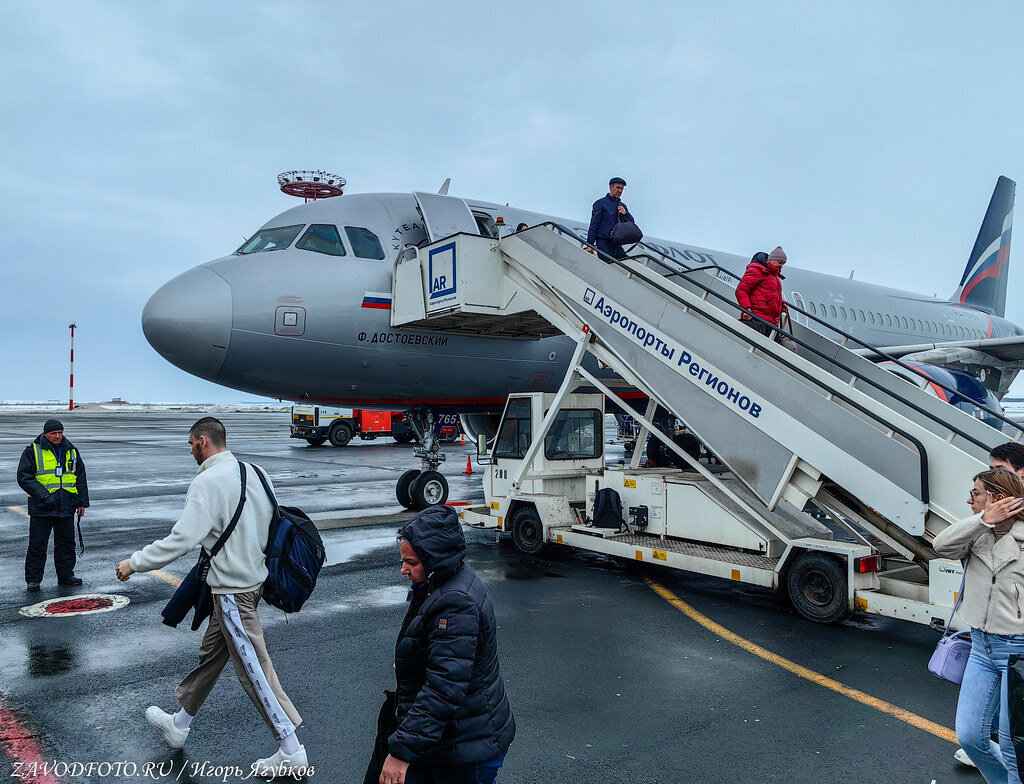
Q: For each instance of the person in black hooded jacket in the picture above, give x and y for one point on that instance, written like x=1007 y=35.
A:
x=454 y=720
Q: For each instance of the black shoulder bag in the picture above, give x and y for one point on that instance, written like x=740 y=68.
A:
x=193 y=591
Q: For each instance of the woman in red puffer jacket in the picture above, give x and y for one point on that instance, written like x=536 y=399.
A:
x=760 y=289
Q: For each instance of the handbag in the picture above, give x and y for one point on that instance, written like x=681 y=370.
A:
x=193 y=592
x=625 y=232
x=949 y=660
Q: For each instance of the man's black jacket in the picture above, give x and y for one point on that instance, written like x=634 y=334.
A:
x=604 y=216
x=60 y=503
x=452 y=708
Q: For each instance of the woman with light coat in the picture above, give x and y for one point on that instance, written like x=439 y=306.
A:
x=992 y=541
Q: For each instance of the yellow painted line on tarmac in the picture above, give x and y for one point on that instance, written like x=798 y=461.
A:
x=19 y=509
x=865 y=699
x=167 y=577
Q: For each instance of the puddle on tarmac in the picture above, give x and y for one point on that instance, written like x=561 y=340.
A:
x=346 y=548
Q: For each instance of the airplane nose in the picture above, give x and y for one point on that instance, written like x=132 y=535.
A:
x=188 y=321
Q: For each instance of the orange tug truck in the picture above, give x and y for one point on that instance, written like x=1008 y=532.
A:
x=317 y=425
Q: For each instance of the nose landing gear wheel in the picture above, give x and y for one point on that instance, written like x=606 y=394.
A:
x=404 y=486
x=429 y=489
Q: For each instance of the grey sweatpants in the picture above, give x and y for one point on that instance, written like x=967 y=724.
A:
x=234 y=632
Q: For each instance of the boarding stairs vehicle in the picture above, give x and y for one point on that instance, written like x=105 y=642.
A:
x=887 y=462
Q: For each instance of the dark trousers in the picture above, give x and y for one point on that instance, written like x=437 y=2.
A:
x=63 y=547
x=759 y=326
x=476 y=773
x=615 y=251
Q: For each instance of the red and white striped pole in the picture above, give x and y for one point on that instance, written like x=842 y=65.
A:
x=71 y=392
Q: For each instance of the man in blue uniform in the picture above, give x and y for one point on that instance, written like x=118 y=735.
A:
x=52 y=473
x=605 y=215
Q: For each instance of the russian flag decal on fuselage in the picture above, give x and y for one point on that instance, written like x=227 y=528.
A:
x=377 y=299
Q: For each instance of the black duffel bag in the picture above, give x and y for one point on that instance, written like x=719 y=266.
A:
x=625 y=232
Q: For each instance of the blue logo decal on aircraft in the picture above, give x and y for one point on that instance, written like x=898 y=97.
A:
x=441 y=271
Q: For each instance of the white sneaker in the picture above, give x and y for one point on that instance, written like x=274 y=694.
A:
x=281 y=764
x=164 y=724
x=961 y=756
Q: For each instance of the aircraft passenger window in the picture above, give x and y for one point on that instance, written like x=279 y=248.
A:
x=575 y=435
x=277 y=238
x=322 y=238
x=905 y=324
x=842 y=312
x=871 y=317
x=485 y=223
x=814 y=310
x=364 y=243
x=879 y=315
x=514 y=436
x=834 y=315
x=862 y=315
x=823 y=311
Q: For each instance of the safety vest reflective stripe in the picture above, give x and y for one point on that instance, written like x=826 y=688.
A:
x=46 y=470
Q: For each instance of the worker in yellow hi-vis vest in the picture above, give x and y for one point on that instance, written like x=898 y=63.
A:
x=52 y=473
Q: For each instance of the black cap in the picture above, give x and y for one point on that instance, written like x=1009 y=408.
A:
x=616 y=181
x=51 y=425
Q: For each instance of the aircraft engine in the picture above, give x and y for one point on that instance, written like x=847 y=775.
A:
x=486 y=423
x=967 y=385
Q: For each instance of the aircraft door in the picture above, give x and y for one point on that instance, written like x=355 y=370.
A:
x=444 y=216
x=799 y=302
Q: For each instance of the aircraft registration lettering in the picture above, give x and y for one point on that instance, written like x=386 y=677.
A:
x=648 y=339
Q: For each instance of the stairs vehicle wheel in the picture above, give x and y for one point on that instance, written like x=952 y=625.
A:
x=318 y=441
x=527 y=531
x=818 y=589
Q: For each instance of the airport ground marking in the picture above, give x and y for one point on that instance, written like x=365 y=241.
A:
x=803 y=672
x=22 y=748
x=167 y=577
x=19 y=509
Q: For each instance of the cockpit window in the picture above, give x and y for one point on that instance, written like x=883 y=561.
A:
x=364 y=243
x=322 y=238
x=271 y=239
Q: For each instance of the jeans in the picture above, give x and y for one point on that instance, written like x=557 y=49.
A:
x=474 y=773
x=982 y=693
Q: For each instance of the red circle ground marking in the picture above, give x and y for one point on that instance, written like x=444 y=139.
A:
x=85 y=604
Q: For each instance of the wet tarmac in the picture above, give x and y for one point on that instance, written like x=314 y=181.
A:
x=608 y=681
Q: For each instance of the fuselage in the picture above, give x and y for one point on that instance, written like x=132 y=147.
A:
x=298 y=320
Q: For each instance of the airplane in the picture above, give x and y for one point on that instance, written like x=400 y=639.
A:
x=301 y=311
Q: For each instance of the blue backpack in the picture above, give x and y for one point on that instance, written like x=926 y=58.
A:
x=295 y=555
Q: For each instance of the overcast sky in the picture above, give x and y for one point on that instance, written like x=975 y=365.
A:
x=141 y=139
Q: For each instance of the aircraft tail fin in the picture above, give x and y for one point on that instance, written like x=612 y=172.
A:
x=983 y=285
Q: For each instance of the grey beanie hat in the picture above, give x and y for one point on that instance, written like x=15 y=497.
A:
x=51 y=425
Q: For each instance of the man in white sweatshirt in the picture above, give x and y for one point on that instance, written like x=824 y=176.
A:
x=236 y=580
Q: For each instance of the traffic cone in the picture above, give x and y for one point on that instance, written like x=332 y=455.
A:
x=463 y=439
x=469 y=465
